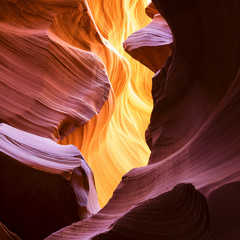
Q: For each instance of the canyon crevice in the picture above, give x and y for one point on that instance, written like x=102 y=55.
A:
x=65 y=80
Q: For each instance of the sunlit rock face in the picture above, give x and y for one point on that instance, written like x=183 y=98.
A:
x=44 y=186
x=57 y=49
x=193 y=136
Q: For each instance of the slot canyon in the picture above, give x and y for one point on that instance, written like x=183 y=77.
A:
x=120 y=119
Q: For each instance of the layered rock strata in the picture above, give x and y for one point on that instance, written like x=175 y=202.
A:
x=53 y=80
x=181 y=213
x=43 y=78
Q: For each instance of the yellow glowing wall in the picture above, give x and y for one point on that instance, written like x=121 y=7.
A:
x=113 y=142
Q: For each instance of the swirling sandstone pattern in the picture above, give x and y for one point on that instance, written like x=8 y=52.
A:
x=48 y=86
x=181 y=213
x=53 y=80
x=193 y=133
x=151 y=10
x=190 y=188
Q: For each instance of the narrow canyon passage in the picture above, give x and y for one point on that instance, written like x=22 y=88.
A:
x=113 y=142
x=119 y=119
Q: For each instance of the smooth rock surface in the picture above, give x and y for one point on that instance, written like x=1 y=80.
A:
x=193 y=132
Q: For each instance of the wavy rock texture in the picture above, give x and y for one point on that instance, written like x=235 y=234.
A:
x=44 y=186
x=181 y=213
x=194 y=129
x=53 y=80
x=43 y=78
x=193 y=134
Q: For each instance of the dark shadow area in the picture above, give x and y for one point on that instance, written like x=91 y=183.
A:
x=224 y=209
x=34 y=204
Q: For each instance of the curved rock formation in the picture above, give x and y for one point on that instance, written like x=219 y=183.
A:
x=193 y=133
x=151 y=10
x=44 y=186
x=48 y=57
x=151 y=45
x=181 y=213
x=123 y=119
x=48 y=86
x=57 y=49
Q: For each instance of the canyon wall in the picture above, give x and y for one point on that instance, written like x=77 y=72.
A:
x=66 y=80
x=193 y=134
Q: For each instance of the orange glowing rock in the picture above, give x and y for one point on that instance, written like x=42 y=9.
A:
x=67 y=84
x=113 y=141
x=57 y=83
